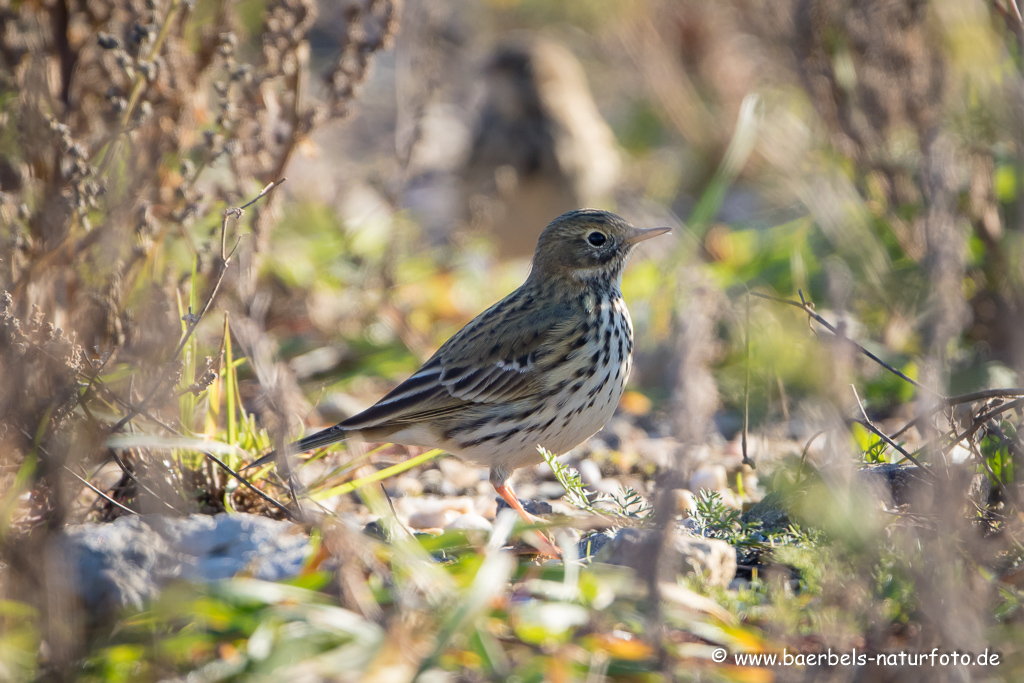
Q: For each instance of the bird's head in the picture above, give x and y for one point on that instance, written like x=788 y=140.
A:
x=587 y=246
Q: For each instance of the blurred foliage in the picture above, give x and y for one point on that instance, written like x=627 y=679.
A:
x=864 y=156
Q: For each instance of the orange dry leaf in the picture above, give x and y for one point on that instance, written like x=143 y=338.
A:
x=629 y=649
x=635 y=403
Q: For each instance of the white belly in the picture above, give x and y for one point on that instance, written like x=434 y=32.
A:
x=568 y=417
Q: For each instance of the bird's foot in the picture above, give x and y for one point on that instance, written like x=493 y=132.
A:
x=536 y=538
x=543 y=543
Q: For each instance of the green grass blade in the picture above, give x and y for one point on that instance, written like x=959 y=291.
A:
x=736 y=155
x=230 y=384
x=385 y=473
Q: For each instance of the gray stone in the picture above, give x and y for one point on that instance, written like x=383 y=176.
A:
x=685 y=502
x=549 y=490
x=534 y=507
x=709 y=478
x=771 y=511
x=590 y=473
x=627 y=546
x=590 y=545
x=435 y=518
x=906 y=484
x=470 y=521
x=435 y=484
x=690 y=524
x=711 y=557
x=127 y=562
x=685 y=553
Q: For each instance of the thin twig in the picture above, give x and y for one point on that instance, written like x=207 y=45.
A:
x=142 y=412
x=809 y=310
x=138 y=482
x=87 y=390
x=980 y=421
x=984 y=396
x=803 y=453
x=866 y=422
x=98 y=492
x=960 y=400
x=280 y=506
x=258 y=197
x=194 y=320
x=81 y=479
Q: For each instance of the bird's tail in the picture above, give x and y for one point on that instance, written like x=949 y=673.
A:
x=324 y=437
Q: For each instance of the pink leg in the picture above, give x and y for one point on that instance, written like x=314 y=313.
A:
x=542 y=542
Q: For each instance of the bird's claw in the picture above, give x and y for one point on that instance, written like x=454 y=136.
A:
x=543 y=543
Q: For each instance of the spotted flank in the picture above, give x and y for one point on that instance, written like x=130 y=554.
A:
x=581 y=392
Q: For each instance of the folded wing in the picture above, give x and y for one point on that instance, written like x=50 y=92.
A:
x=500 y=356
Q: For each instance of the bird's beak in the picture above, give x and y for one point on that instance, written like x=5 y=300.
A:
x=642 y=234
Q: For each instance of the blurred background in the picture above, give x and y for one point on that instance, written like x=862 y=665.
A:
x=855 y=444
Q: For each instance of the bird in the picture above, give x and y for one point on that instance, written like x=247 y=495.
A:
x=545 y=366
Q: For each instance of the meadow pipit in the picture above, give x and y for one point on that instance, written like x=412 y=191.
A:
x=545 y=366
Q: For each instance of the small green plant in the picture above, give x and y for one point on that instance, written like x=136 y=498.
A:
x=894 y=585
x=630 y=503
x=627 y=503
x=718 y=520
x=996 y=448
x=872 y=448
x=570 y=479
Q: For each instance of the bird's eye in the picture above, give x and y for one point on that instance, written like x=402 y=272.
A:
x=597 y=238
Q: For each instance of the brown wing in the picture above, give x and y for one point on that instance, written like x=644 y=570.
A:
x=501 y=355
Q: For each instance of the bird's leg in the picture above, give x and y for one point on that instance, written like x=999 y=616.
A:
x=544 y=544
